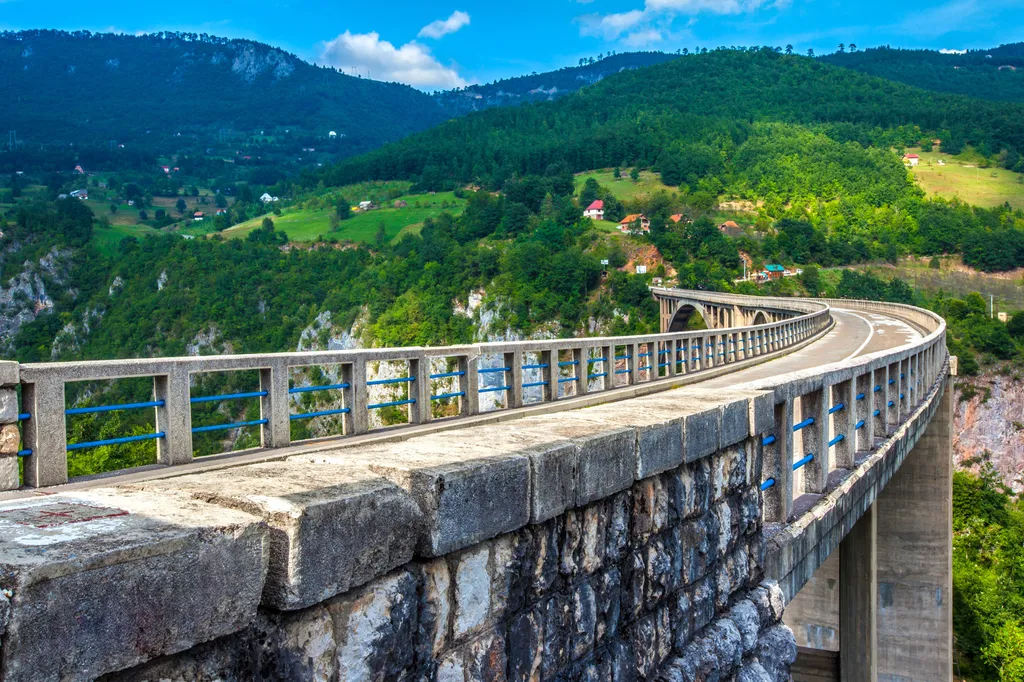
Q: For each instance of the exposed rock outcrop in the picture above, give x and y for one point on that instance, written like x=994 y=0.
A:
x=988 y=425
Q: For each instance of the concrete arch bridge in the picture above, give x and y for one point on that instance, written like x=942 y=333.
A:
x=765 y=498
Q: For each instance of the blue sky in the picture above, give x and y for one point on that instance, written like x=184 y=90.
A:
x=449 y=43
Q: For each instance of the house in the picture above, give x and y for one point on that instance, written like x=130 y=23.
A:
x=78 y=169
x=399 y=203
x=728 y=225
x=166 y=169
x=366 y=206
x=222 y=211
x=774 y=271
x=333 y=135
x=82 y=194
x=636 y=222
x=911 y=159
x=677 y=218
x=267 y=199
x=198 y=216
x=595 y=211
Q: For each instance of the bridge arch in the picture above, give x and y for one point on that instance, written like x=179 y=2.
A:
x=760 y=317
x=684 y=314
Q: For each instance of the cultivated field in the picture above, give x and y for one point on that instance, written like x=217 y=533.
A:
x=623 y=188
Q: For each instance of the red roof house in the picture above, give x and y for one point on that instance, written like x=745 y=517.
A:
x=595 y=210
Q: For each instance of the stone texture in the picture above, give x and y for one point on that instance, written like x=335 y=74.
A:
x=376 y=629
x=325 y=521
x=108 y=561
x=10 y=440
x=8 y=406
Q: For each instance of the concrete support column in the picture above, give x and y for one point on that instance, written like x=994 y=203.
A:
x=915 y=531
x=858 y=601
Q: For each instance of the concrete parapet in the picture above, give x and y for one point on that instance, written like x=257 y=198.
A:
x=102 y=580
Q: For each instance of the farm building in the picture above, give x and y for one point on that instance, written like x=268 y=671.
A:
x=911 y=159
x=636 y=222
x=198 y=216
x=595 y=211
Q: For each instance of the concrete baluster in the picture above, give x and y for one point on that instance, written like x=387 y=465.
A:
x=865 y=440
x=514 y=378
x=580 y=371
x=892 y=393
x=359 y=394
x=274 y=381
x=814 y=405
x=843 y=422
x=421 y=411
x=174 y=417
x=879 y=381
x=549 y=374
x=45 y=434
x=778 y=465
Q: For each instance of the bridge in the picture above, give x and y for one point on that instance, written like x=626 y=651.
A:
x=770 y=495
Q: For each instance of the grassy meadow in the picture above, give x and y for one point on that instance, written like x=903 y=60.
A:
x=623 y=188
x=961 y=177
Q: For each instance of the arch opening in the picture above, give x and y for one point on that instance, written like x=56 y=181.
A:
x=688 y=318
x=760 y=317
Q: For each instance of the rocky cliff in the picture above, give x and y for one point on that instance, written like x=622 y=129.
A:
x=988 y=425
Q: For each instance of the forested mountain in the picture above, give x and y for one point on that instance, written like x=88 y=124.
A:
x=544 y=86
x=705 y=106
x=996 y=74
x=146 y=91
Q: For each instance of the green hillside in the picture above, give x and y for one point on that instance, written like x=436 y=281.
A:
x=996 y=74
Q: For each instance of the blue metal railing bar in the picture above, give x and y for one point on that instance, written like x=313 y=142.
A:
x=540 y=366
x=876 y=413
x=384 y=382
x=767 y=484
x=837 y=408
x=768 y=440
x=494 y=370
x=892 y=404
x=316 y=389
x=802 y=462
x=113 y=408
x=24 y=453
x=393 y=403
x=568 y=363
x=804 y=424
x=597 y=376
x=860 y=396
x=566 y=380
x=448 y=375
x=459 y=394
x=228 y=396
x=224 y=427
x=322 y=413
x=115 y=441
x=24 y=416
x=594 y=361
x=859 y=425
x=838 y=439
x=877 y=389
x=495 y=389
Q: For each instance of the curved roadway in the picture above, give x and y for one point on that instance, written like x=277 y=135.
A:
x=855 y=333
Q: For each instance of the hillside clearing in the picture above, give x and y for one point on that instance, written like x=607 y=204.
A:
x=623 y=188
x=954 y=178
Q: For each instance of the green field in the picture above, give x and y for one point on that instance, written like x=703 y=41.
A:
x=984 y=187
x=623 y=188
x=306 y=225
x=106 y=239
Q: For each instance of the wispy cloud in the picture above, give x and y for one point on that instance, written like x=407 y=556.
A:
x=368 y=55
x=443 y=27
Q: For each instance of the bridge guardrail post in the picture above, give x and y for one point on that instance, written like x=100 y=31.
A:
x=581 y=370
x=469 y=385
x=420 y=412
x=815 y=437
x=778 y=465
x=892 y=393
x=844 y=422
x=880 y=412
x=608 y=353
x=514 y=378
x=668 y=357
x=865 y=438
x=633 y=363
x=174 y=417
x=549 y=374
x=276 y=433
x=359 y=394
x=46 y=433
x=904 y=388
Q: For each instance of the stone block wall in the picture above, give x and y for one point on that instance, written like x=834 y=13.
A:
x=10 y=436
x=660 y=581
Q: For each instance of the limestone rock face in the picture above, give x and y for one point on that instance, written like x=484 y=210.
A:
x=989 y=427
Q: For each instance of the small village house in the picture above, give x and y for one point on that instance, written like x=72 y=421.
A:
x=198 y=216
x=729 y=225
x=677 y=218
x=267 y=199
x=366 y=206
x=399 y=203
x=774 y=271
x=635 y=223
x=911 y=159
x=595 y=211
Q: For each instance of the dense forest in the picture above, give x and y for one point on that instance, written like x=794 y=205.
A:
x=168 y=91
x=996 y=74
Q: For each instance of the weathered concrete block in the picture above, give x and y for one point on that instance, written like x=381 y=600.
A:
x=607 y=463
x=465 y=495
x=10 y=373
x=553 y=476
x=659 y=448
x=325 y=521
x=735 y=422
x=9 y=474
x=86 y=569
x=8 y=406
x=701 y=433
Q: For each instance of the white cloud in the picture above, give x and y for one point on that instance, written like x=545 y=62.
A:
x=653 y=23
x=442 y=27
x=368 y=55
x=611 y=26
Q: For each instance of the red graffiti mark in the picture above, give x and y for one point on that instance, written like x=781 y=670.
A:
x=59 y=514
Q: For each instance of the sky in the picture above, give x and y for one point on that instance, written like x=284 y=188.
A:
x=443 y=44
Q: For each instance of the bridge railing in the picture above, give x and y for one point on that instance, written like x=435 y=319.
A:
x=826 y=419
x=425 y=384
